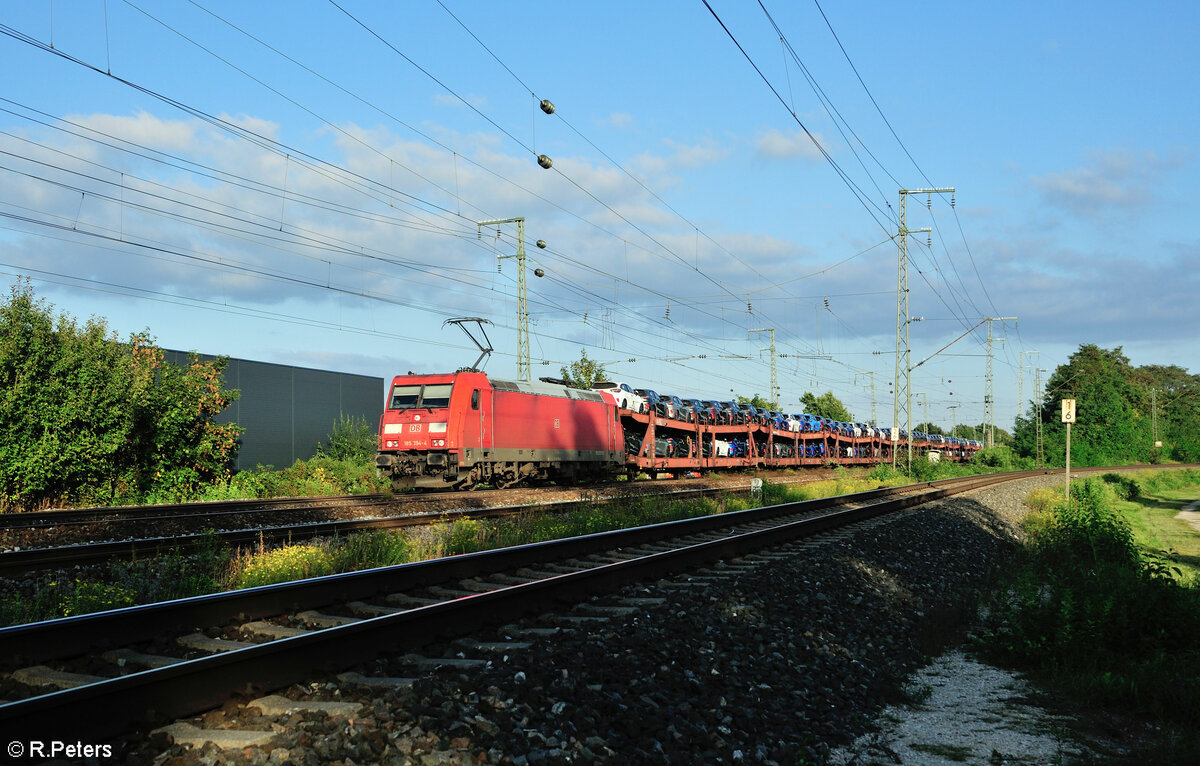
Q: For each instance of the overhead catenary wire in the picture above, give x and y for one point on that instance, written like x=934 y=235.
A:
x=907 y=153
x=423 y=70
x=855 y=191
x=289 y=154
x=585 y=291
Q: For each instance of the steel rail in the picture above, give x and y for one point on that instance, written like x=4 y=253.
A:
x=60 y=516
x=58 y=638
x=25 y=520
x=100 y=710
x=32 y=559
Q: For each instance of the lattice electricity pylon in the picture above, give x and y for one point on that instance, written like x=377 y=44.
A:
x=523 y=370
x=902 y=393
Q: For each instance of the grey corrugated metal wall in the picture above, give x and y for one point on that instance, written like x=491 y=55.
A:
x=285 y=411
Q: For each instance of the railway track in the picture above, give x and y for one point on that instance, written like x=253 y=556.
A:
x=393 y=514
x=138 y=666
x=118 y=528
x=250 y=509
x=61 y=517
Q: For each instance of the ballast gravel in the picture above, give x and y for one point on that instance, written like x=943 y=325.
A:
x=767 y=659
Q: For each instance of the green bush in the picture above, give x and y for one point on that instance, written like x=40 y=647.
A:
x=87 y=418
x=1124 y=485
x=884 y=472
x=316 y=477
x=89 y=597
x=146 y=580
x=1085 y=534
x=353 y=440
x=1002 y=458
x=1043 y=499
x=463 y=536
x=58 y=599
x=1085 y=609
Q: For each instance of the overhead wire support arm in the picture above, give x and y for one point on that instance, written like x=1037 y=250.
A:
x=951 y=343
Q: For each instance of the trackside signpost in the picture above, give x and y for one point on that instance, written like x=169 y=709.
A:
x=1068 y=417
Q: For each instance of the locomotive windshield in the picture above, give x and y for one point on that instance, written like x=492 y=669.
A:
x=432 y=395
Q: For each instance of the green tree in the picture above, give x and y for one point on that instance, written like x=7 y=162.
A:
x=1119 y=410
x=584 y=373
x=87 y=418
x=181 y=447
x=980 y=431
x=999 y=435
x=65 y=420
x=1171 y=397
x=827 y=406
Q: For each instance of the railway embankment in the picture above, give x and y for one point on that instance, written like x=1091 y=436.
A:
x=774 y=657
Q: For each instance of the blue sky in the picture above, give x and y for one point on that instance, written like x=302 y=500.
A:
x=300 y=183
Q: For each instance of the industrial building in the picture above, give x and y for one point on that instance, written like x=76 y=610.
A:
x=285 y=411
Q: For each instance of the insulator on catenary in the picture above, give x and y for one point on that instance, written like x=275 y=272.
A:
x=545 y=161
x=547 y=107
x=541 y=243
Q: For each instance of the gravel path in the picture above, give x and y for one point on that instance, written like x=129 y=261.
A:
x=767 y=659
x=964 y=712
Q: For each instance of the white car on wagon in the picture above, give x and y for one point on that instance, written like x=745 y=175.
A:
x=623 y=394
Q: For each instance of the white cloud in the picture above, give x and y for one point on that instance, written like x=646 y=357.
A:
x=165 y=135
x=620 y=120
x=699 y=154
x=1112 y=181
x=776 y=145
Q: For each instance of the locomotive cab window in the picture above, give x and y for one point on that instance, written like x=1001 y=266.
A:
x=433 y=395
x=404 y=397
x=475 y=399
x=436 y=395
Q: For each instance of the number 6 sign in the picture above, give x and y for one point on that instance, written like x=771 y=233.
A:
x=1068 y=410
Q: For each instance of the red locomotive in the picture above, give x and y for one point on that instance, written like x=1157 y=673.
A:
x=457 y=430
